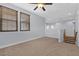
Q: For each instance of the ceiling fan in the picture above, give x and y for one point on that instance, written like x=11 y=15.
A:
x=41 y=5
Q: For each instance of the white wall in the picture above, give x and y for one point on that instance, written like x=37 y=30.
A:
x=53 y=32
x=77 y=25
x=58 y=30
x=69 y=28
x=37 y=29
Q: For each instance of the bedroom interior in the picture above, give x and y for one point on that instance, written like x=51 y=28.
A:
x=29 y=30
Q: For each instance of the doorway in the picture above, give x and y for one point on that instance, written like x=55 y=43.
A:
x=70 y=39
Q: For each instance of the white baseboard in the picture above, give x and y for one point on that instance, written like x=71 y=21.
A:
x=50 y=36
x=4 y=46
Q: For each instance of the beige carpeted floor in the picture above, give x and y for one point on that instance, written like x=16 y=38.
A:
x=41 y=47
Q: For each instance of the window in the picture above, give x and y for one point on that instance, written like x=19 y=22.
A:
x=24 y=22
x=52 y=27
x=8 y=19
x=47 y=26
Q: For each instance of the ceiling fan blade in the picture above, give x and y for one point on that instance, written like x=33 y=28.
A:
x=35 y=7
x=43 y=9
x=42 y=3
x=47 y=3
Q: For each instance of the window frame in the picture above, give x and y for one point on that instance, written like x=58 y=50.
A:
x=9 y=19
x=28 y=23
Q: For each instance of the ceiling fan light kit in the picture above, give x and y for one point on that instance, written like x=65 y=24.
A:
x=41 y=5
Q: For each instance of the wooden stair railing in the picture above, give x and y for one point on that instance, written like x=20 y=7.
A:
x=70 y=39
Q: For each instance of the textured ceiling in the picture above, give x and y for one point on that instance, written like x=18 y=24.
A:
x=54 y=13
